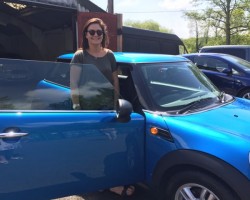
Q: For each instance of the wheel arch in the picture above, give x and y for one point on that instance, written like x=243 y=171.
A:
x=242 y=90
x=188 y=159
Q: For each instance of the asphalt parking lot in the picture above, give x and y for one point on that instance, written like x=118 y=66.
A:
x=141 y=193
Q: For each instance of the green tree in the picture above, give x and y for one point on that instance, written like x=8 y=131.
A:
x=190 y=45
x=225 y=17
x=197 y=26
x=236 y=39
x=148 y=25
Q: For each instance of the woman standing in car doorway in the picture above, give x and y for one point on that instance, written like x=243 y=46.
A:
x=94 y=51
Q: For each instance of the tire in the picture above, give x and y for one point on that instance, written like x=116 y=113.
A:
x=245 y=94
x=189 y=185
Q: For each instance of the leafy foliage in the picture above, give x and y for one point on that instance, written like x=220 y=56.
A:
x=209 y=25
x=148 y=25
x=220 y=22
x=240 y=39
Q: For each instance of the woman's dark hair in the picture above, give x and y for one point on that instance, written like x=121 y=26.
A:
x=105 y=40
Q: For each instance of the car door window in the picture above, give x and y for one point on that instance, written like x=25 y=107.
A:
x=211 y=64
x=18 y=78
x=37 y=85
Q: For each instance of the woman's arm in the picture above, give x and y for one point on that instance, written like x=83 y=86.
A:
x=75 y=74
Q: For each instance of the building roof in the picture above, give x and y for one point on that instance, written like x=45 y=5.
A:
x=43 y=14
x=81 y=5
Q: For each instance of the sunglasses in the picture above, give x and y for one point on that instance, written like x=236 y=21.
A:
x=98 y=32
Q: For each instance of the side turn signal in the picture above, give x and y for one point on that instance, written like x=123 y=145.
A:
x=154 y=130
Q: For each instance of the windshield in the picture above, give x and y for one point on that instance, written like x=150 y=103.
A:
x=174 y=86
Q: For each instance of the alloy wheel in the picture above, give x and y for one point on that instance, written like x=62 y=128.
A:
x=192 y=191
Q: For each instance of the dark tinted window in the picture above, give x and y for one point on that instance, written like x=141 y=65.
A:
x=210 y=63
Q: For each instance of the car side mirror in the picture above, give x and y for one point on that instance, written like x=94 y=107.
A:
x=123 y=110
x=224 y=70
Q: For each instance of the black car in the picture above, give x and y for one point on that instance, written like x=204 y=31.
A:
x=229 y=73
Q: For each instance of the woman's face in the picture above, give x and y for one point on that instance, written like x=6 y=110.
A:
x=94 y=34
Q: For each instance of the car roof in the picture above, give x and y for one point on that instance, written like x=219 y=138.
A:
x=207 y=54
x=226 y=46
x=138 y=57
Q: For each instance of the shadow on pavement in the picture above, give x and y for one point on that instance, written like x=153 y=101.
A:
x=140 y=194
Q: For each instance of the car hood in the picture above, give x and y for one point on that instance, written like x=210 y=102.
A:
x=233 y=118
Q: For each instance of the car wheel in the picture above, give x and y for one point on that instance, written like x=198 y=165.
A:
x=245 y=94
x=189 y=185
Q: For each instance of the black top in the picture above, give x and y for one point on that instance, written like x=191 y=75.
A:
x=106 y=64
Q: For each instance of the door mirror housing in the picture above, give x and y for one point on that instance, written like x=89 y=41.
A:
x=123 y=110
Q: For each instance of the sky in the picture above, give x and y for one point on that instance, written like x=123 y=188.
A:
x=168 y=13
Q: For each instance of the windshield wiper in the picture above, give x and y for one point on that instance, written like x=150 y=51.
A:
x=188 y=107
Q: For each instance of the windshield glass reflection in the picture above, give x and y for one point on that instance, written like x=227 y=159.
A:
x=174 y=85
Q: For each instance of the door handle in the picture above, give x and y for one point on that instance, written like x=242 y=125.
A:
x=12 y=135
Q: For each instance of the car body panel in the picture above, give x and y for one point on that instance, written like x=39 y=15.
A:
x=156 y=146
x=70 y=149
x=193 y=132
x=208 y=136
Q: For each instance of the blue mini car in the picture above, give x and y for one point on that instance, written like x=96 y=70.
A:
x=171 y=129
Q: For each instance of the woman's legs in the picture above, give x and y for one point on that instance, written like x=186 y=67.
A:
x=126 y=190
